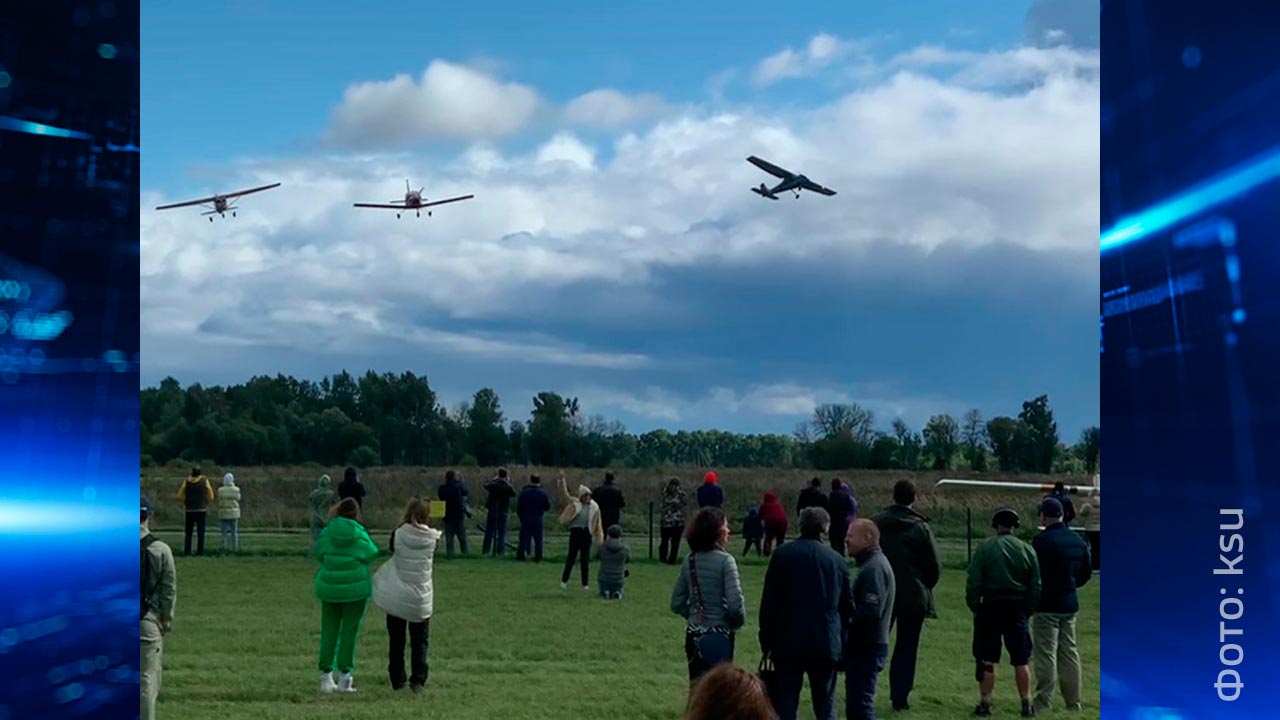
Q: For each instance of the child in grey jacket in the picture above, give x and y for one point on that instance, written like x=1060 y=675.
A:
x=614 y=557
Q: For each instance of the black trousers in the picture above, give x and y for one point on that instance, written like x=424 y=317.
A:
x=579 y=547
x=419 y=640
x=530 y=535
x=1095 y=547
x=790 y=681
x=195 y=521
x=906 y=648
x=669 y=550
x=750 y=542
x=772 y=535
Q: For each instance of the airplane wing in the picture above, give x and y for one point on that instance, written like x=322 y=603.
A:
x=815 y=187
x=383 y=207
x=770 y=168
x=250 y=192
x=442 y=202
x=188 y=203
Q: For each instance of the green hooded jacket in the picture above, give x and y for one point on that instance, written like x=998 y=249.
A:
x=345 y=552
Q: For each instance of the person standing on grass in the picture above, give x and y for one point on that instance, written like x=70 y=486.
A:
x=351 y=487
x=1064 y=566
x=812 y=496
x=708 y=594
x=498 y=505
x=159 y=586
x=402 y=587
x=1003 y=590
x=343 y=587
x=454 y=494
x=1064 y=498
x=710 y=494
x=195 y=493
x=673 y=503
x=775 y=522
x=806 y=604
x=582 y=515
x=609 y=497
x=229 y=513
x=729 y=693
x=867 y=645
x=909 y=545
x=843 y=509
x=532 y=504
x=321 y=501
x=1090 y=511
x=614 y=556
x=752 y=531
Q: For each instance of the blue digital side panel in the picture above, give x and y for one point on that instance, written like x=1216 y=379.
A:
x=1190 y=353
x=69 y=359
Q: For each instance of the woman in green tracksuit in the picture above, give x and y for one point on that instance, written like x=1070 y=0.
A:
x=343 y=586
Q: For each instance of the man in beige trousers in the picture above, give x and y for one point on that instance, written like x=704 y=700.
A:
x=159 y=583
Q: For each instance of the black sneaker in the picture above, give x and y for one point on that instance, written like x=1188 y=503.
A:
x=1028 y=710
x=901 y=708
x=983 y=710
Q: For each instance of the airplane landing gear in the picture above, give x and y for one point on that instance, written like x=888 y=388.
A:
x=419 y=214
x=210 y=218
x=428 y=213
x=397 y=216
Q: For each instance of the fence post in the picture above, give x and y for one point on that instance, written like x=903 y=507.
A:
x=968 y=535
x=650 y=529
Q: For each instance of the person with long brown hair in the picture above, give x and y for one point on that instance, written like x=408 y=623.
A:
x=708 y=594
x=728 y=692
x=402 y=587
x=343 y=587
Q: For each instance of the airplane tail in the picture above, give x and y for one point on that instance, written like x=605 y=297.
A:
x=763 y=191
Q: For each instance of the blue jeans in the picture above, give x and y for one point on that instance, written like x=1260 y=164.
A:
x=231 y=535
x=530 y=535
x=861 y=671
x=456 y=528
x=495 y=533
x=610 y=591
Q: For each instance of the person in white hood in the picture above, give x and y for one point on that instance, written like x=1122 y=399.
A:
x=402 y=588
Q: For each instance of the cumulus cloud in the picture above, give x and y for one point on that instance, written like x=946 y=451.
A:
x=575 y=266
x=790 y=63
x=609 y=108
x=449 y=101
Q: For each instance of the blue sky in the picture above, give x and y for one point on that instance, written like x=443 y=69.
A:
x=613 y=251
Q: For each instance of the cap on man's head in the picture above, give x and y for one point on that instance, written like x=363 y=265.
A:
x=146 y=507
x=1051 y=508
x=1005 y=517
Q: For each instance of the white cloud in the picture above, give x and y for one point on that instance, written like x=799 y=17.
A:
x=789 y=63
x=450 y=101
x=610 y=108
x=566 y=148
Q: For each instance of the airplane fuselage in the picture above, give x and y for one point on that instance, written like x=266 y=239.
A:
x=219 y=204
x=792 y=183
x=413 y=200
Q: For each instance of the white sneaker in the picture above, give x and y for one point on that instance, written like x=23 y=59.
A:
x=586 y=588
x=345 y=683
x=327 y=685
x=564 y=586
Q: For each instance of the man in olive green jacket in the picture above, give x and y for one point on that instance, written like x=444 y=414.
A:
x=159 y=584
x=1003 y=590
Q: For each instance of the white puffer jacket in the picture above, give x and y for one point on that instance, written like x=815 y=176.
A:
x=402 y=586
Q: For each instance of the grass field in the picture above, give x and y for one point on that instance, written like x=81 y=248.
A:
x=506 y=642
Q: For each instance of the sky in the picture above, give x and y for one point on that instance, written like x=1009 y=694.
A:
x=613 y=251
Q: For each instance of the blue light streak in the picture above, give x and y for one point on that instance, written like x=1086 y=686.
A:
x=34 y=128
x=1229 y=185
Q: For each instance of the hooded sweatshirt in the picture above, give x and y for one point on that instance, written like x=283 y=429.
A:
x=710 y=494
x=345 y=551
x=195 y=493
x=773 y=514
x=753 y=527
x=909 y=545
x=351 y=487
x=673 y=505
x=229 y=499
x=614 y=557
x=402 y=587
x=321 y=499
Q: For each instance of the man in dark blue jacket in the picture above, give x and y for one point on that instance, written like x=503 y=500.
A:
x=498 y=505
x=804 y=610
x=710 y=494
x=532 y=504
x=867 y=645
x=1064 y=566
x=454 y=494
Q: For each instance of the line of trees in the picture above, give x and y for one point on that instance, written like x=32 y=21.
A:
x=392 y=419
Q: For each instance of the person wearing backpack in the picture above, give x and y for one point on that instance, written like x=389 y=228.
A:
x=229 y=513
x=158 y=580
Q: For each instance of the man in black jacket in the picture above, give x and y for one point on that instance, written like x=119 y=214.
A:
x=498 y=504
x=1068 y=508
x=532 y=504
x=351 y=487
x=611 y=502
x=912 y=552
x=812 y=496
x=867 y=645
x=454 y=494
x=1064 y=566
x=806 y=605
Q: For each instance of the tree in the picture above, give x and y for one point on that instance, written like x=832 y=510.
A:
x=973 y=434
x=941 y=439
x=551 y=431
x=1042 y=434
x=909 y=445
x=834 y=420
x=1008 y=437
x=486 y=439
x=1089 y=448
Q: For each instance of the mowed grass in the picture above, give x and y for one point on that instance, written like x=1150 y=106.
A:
x=507 y=643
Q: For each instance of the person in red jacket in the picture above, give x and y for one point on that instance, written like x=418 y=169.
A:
x=775 y=521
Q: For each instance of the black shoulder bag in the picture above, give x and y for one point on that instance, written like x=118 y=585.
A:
x=713 y=646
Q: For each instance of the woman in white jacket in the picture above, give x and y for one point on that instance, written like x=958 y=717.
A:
x=402 y=588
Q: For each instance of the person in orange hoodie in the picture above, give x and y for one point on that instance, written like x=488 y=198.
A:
x=775 y=522
x=195 y=494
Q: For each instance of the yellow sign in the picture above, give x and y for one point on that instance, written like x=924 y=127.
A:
x=436 y=509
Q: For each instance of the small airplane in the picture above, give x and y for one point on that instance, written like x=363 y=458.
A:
x=221 y=206
x=413 y=200
x=790 y=181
